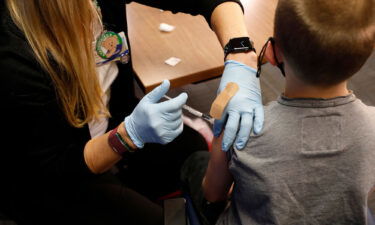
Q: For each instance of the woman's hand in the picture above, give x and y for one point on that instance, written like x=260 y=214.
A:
x=244 y=111
x=153 y=122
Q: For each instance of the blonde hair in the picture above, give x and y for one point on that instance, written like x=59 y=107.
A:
x=60 y=34
x=325 y=41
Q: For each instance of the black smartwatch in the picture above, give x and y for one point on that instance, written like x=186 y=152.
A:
x=240 y=44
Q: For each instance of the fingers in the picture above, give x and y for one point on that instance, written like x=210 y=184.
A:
x=245 y=129
x=179 y=130
x=230 y=130
x=173 y=104
x=172 y=134
x=157 y=93
x=259 y=119
x=173 y=125
x=172 y=116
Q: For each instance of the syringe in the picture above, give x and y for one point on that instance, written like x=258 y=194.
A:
x=195 y=112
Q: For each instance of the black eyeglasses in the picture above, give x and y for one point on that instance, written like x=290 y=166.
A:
x=261 y=56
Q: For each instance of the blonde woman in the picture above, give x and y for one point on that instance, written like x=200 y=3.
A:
x=70 y=113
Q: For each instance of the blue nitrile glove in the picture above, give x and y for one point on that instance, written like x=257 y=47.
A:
x=153 y=122
x=244 y=108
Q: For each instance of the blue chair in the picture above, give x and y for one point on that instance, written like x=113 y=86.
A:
x=370 y=217
x=190 y=210
x=180 y=211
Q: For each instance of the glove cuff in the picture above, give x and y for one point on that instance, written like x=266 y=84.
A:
x=129 y=126
x=236 y=63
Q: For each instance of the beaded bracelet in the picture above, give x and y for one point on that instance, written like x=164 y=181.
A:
x=118 y=135
x=117 y=143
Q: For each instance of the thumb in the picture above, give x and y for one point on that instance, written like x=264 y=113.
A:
x=158 y=92
x=175 y=103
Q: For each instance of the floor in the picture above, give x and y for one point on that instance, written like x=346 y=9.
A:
x=201 y=95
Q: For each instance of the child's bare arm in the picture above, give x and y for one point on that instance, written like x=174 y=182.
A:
x=217 y=181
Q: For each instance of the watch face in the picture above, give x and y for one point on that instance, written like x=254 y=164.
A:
x=235 y=45
x=240 y=44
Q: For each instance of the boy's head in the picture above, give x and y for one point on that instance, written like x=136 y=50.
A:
x=325 y=41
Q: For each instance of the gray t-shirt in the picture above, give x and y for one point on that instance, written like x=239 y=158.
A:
x=313 y=163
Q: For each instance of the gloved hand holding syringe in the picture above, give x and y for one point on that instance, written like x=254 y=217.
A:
x=195 y=112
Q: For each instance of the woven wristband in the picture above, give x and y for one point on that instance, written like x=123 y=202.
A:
x=117 y=143
x=118 y=135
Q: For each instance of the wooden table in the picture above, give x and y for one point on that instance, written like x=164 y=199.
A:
x=192 y=41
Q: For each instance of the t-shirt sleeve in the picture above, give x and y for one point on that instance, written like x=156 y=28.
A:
x=194 y=7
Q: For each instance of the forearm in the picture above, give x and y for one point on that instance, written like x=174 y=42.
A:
x=218 y=180
x=227 y=20
x=99 y=156
x=193 y=7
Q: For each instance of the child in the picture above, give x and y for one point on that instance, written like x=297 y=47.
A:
x=314 y=162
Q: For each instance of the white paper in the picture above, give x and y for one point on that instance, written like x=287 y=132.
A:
x=166 y=27
x=172 y=61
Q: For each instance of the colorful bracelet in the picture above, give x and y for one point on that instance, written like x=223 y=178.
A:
x=117 y=143
x=118 y=135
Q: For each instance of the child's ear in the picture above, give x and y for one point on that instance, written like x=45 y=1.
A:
x=270 y=54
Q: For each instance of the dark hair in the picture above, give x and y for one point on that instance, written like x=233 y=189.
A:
x=325 y=41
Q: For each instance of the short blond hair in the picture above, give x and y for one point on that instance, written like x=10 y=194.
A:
x=325 y=41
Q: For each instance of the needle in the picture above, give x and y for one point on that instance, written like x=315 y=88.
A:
x=195 y=112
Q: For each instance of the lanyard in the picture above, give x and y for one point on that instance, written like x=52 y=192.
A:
x=111 y=46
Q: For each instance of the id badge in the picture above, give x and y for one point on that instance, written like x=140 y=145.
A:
x=112 y=46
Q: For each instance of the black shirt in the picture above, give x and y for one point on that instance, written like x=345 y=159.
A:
x=43 y=149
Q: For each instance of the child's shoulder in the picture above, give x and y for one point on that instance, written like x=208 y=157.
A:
x=371 y=110
x=362 y=116
x=368 y=109
x=270 y=105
